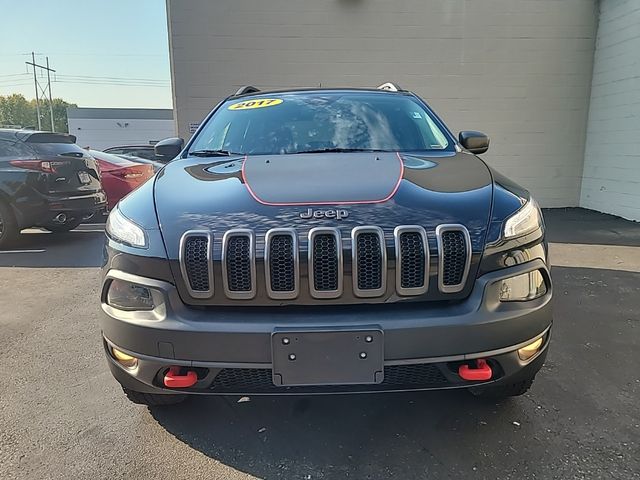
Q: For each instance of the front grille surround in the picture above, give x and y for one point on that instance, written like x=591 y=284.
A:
x=186 y=269
x=443 y=257
x=355 y=262
x=398 y=232
x=270 y=236
x=286 y=277
x=325 y=294
x=227 y=283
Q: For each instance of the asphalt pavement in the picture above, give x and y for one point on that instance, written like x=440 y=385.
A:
x=62 y=416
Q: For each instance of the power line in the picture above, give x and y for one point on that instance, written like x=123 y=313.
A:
x=15 y=84
x=115 y=84
x=89 y=78
x=102 y=77
x=14 y=75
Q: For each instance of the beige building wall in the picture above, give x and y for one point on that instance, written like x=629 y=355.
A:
x=519 y=70
x=611 y=181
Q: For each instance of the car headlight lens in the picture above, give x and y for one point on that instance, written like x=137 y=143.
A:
x=121 y=229
x=527 y=286
x=125 y=295
x=525 y=220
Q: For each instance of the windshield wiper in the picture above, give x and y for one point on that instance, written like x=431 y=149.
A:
x=212 y=153
x=342 y=150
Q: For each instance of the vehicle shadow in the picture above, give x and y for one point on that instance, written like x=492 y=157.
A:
x=408 y=435
x=36 y=248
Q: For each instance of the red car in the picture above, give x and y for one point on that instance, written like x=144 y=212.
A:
x=120 y=176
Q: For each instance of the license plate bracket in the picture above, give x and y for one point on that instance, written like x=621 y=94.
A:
x=327 y=357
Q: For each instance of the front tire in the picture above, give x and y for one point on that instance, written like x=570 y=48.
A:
x=8 y=226
x=153 y=399
x=504 y=391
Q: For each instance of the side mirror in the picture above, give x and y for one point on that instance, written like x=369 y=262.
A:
x=475 y=142
x=169 y=148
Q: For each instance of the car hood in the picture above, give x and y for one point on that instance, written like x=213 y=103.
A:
x=274 y=191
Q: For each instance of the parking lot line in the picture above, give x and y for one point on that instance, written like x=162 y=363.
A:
x=22 y=251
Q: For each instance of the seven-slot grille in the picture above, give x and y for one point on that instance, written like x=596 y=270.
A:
x=325 y=262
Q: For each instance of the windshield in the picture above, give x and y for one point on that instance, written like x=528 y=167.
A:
x=320 y=121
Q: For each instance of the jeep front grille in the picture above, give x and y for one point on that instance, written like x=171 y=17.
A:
x=195 y=263
x=324 y=262
x=238 y=264
x=454 y=246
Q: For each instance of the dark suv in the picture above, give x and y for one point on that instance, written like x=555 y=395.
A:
x=325 y=241
x=46 y=180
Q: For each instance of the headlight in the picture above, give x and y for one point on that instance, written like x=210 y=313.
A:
x=121 y=229
x=527 y=286
x=124 y=295
x=525 y=220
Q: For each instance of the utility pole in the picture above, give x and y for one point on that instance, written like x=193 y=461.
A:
x=35 y=82
x=53 y=127
x=42 y=93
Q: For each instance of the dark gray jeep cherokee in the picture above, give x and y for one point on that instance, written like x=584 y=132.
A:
x=325 y=241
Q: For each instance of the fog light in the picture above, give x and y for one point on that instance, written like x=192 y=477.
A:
x=528 y=351
x=124 y=359
x=129 y=296
x=527 y=286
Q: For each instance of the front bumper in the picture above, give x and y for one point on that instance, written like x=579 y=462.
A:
x=231 y=347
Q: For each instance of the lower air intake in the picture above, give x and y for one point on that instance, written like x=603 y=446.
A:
x=396 y=377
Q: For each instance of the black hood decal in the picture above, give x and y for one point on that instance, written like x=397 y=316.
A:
x=323 y=178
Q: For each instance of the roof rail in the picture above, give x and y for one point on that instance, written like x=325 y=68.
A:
x=390 y=87
x=246 y=89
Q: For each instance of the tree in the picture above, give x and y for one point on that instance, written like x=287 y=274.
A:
x=17 y=110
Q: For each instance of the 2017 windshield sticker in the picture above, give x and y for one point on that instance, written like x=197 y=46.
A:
x=260 y=103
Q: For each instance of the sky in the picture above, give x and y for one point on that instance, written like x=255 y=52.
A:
x=106 y=53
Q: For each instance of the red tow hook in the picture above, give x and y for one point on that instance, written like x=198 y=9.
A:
x=482 y=371
x=173 y=379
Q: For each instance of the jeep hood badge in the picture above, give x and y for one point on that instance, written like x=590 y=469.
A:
x=338 y=214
